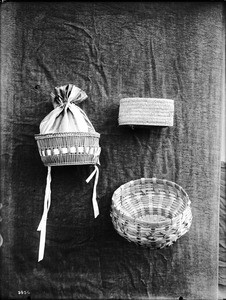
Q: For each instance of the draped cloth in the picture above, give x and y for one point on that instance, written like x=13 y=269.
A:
x=115 y=50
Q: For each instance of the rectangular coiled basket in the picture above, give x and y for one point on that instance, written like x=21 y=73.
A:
x=146 y=112
x=69 y=148
x=151 y=212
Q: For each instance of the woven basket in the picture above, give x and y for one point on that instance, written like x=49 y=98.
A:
x=70 y=148
x=146 y=112
x=151 y=212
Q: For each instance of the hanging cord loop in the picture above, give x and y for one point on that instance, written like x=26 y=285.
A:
x=42 y=224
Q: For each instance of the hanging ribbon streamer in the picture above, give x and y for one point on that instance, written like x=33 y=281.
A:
x=66 y=117
x=42 y=224
x=94 y=198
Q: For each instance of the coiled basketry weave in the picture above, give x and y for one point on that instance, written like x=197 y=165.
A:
x=146 y=112
x=69 y=148
x=151 y=212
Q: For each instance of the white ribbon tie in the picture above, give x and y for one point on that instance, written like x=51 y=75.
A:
x=94 y=198
x=42 y=224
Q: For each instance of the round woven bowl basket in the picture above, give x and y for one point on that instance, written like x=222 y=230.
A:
x=69 y=148
x=146 y=112
x=151 y=212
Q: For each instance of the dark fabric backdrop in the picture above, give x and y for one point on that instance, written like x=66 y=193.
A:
x=222 y=235
x=110 y=50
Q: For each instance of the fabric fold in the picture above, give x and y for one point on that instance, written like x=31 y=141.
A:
x=66 y=115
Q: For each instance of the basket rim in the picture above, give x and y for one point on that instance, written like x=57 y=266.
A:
x=146 y=98
x=65 y=134
x=153 y=180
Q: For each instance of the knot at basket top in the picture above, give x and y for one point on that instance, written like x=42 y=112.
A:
x=67 y=94
x=66 y=117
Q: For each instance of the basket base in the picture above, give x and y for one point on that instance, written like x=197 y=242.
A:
x=67 y=160
x=153 y=218
x=142 y=125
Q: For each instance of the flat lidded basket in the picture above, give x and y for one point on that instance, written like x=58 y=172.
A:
x=151 y=212
x=146 y=112
x=67 y=137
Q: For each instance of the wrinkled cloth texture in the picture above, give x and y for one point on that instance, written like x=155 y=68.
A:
x=111 y=51
x=222 y=234
x=66 y=116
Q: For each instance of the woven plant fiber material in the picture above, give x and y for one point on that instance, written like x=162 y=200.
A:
x=112 y=51
x=71 y=148
x=146 y=112
x=151 y=212
x=67 y=137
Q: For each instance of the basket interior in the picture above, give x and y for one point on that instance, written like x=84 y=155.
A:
x=150 y=202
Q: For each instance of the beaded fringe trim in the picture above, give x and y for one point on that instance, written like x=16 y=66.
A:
x=69 y=148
